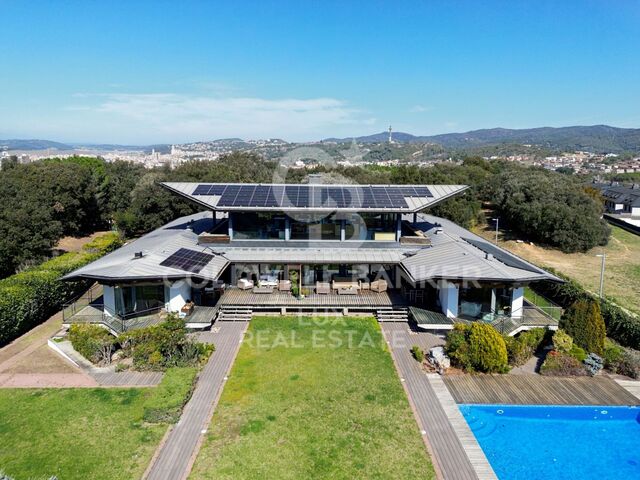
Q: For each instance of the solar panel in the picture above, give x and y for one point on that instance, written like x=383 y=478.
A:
x=312 y=196
x=187 y=260
x=501 y=255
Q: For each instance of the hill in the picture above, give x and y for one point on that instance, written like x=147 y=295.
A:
x=32 y=144
x=596 y=138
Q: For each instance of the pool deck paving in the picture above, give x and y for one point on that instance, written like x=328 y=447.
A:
x=453 y=448
x=538 y=390
x=176 y=454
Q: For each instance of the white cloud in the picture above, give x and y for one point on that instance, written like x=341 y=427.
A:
x=419 y=109
x=170 y=117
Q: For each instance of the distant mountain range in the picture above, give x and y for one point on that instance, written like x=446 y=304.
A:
x=596 y=138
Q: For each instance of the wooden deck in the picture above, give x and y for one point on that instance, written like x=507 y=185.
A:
x=447 y=451
x=175 y=457
x=366 y=299
x=537 y=390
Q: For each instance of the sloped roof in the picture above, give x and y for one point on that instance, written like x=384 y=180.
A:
x=156 y=247
x=329 y=198
x=456 y=253
x=620 y=194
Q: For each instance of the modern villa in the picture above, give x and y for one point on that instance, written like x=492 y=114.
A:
x=312 y=247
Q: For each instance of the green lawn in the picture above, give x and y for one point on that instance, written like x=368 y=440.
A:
x=293 y=410
x=84 y=434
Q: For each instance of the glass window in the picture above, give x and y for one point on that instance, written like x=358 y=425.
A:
x=313 y=228
x=372 y=226
x=258 y=225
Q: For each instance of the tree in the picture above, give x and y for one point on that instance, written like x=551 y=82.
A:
x=583 y=322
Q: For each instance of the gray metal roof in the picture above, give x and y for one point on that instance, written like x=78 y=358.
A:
x=156 y=247
x=414 y=204
x=456 y=253
x=620 y=194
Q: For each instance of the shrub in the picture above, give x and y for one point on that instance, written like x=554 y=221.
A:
x=417 y=353
x=593 y=364
x=584 y=323
x=457 y=347
x=93 y=342
x=165 y=403
x=534 y=338
x=165 y=345
x=562 y=365
x=562 y=342
x=487 y=349
x=477 y=347
x=518 y=350
x=630 y=363
x=30 y=297
x=577 y=353
x=612 y=355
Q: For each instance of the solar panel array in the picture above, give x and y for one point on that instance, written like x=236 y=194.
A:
x=188 y=260
x=312 y=196
x=501 y=255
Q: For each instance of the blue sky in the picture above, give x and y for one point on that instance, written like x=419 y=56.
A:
x=141 y=72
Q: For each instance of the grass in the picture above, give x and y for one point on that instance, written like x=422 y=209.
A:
x=168 y=398
x=75 y=433
x=546 y=305
x=622 y=272
x=303 y=403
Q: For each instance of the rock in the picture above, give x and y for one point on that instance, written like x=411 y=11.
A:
x=439 y=358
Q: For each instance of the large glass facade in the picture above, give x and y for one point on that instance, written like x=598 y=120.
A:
x=371 y=226
x=313 y=228
x=258 y=226
x=484 y=302
x=139 y=298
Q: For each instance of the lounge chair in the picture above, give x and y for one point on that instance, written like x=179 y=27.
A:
x=244 y=284
x=323 y=288
x=379 y=286
x=284 y=285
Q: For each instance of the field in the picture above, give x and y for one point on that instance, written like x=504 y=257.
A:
x=83 y=434
x=622 y=270
x=313 y=398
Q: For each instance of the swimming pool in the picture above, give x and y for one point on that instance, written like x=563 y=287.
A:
x=563 y=442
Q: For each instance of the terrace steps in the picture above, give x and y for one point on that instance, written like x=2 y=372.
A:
x=392 y=315
x=234 y=314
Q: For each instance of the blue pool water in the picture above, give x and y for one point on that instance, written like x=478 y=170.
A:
x=549 y=442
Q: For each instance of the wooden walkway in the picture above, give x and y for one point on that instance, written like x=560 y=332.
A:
x=127 y=379
x=176 y=455
x=447 y=452
x=537 y=390
x=364 y=299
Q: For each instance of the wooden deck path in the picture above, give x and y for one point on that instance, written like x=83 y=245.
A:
x=447 y=452
x=177 y=453
x=127 y=379
x=538 y=390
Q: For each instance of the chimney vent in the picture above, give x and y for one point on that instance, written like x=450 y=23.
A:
x=138 y=255
x=488 y=256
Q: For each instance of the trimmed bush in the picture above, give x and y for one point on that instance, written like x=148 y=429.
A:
x=562 y=365
x=477 y=347
x=577 y=353
x=94 y=343
x=584 y=323
x=417 y=353
x=562 y=342
x=612 y=355
x=593 y=364
x=535 y=338
x=30 y=297
x=629 y=364
x=165 y=403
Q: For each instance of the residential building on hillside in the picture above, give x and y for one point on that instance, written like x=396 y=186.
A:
x=307 y=248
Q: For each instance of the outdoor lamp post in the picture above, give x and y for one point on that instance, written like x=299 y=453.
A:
x=603 y=257
x=497 y=220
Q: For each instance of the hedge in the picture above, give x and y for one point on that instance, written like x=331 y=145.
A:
x=165 y=404
x=30 y=297
x=621 y=326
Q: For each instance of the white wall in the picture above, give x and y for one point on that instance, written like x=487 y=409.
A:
x=109 y=299
x=517 y=302
x=179 y=293
x=448 y=293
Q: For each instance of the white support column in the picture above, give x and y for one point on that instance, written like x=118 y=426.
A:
x=109 y=299
x=517 y=302
x=179 y=293
x=287 y=229
x=343 y=230
x=230 y=223
x=398 y=226
x=448 y=294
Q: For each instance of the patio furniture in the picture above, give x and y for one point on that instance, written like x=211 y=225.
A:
x=365 y=285
x=344 y=282
x=267 y=289
x=323 y=288
x=352 y=290
x=187 y=309
x=379 y=286
x=470 y=309
x=244 y=284
x=284 y=285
